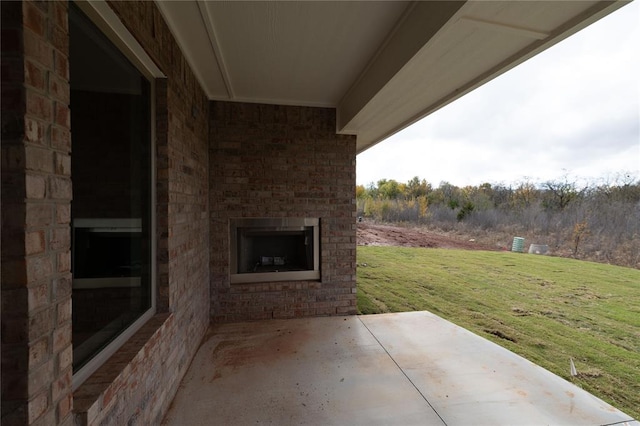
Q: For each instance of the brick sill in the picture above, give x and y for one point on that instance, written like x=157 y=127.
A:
x=97 y=392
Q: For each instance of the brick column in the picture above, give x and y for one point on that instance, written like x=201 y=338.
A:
x=36 y=206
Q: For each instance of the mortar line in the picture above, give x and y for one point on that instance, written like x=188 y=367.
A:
x=402 y=371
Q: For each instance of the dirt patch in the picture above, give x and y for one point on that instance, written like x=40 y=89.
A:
x=501 y=335
x=373 y=234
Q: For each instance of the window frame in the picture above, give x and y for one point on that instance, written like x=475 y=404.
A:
x=110 y=25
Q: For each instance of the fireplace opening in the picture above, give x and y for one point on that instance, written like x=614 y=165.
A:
x=274 y=249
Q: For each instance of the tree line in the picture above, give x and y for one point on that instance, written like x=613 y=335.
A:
x=597 y=221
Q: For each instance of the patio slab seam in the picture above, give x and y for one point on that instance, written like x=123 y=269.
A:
x=402 y=371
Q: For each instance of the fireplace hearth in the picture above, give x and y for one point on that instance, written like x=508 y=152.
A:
x=274 y=249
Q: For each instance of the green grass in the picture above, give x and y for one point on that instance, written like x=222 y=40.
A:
x=546 y=309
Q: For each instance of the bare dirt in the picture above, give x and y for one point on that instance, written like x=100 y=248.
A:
x=373 y=234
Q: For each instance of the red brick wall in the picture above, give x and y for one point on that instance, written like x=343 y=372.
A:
x=36 y=195
x=138 y=383
x=282 y=161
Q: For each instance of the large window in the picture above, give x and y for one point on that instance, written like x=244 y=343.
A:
x=112 y=223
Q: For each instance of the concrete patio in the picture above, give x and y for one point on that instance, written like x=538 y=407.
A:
x=401 y=369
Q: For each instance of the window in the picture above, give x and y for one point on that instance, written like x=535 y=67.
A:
x=111 y=211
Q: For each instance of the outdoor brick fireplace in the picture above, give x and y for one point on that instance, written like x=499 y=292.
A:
x=282 y=208
x=274 y=249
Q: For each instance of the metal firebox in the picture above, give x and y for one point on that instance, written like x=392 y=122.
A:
x=274 y=249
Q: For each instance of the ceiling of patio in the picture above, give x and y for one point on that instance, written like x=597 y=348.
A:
x=382 y=65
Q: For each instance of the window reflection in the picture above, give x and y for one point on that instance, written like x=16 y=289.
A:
x=111 y=174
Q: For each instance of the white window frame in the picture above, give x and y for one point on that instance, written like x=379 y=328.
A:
x=107 y=21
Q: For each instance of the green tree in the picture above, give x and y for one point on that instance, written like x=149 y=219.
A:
x=465 y=211
x=389 y=189
x=418 y=188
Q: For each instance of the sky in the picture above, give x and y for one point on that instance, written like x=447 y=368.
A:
x=572 y=111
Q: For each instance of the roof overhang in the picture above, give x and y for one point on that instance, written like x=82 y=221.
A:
x=382 y=65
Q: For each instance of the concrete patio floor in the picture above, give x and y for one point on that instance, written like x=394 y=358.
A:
x=409 y=368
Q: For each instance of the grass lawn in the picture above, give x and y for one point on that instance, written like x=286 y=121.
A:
x=546 y=309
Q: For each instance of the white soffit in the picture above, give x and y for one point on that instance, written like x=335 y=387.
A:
x=382 y=65
x=290 y=52
x=482 y=41
x=190 y=30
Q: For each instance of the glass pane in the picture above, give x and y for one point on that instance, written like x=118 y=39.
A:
x=111 y=173
x=275 y=250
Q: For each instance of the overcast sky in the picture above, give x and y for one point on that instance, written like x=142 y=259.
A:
x=572 y=110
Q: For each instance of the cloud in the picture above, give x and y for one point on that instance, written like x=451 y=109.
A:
x=572 y=109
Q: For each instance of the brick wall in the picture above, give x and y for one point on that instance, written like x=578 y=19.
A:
x=282 y=161
x=138 y=383
x=36 y=196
